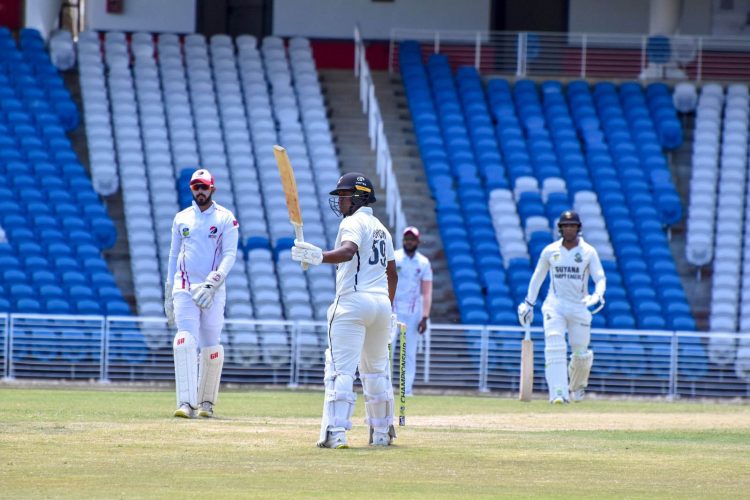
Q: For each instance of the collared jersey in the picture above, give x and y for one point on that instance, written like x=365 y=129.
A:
x=200 y=240
x=412 y=271
x=569 y=271
x=366 y=271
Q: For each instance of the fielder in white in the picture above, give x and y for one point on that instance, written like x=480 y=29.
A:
x=360 y=319
x=570 y=261
x=203 y=251
x=413 y=298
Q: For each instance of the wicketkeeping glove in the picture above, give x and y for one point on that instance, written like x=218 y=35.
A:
x=307 y=253
x=593 y=302
x=168 y=303
x=525 y=313
x=203 y=294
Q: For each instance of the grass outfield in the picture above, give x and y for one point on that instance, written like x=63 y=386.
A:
x=122 y=443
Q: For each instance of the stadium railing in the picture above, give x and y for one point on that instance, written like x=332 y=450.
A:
x=585 y=55
x=463 y=357
x=376 y=132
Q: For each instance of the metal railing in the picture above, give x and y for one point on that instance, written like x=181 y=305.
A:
x=581 y=55
x=378 y=141
x=481 y=358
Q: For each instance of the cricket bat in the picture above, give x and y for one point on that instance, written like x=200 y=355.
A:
x=290 y=191
x=527 y=366
x=402 y=376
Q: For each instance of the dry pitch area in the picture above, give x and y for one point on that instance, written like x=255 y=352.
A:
x=123 y=443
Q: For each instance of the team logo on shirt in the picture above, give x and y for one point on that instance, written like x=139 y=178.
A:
x=578 y=257
x=212 y=232
x=185 y=232
x=555 y=256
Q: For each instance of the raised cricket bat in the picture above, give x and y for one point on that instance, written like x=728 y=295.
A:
x=527 y=366
x=290 y=191
x=402 y=376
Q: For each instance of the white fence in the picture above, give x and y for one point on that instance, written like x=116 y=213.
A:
x=577 y=55
x=481 y=358
x=378 y=141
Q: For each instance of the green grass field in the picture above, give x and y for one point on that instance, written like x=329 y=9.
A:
x=123 y=442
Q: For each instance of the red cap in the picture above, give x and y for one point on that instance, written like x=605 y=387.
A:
x=202 y=176
x=413 y=230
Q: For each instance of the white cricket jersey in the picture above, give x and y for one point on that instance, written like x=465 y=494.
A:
x=569 y=272
x=201 y=242
x=366 y=271
x=412 y=271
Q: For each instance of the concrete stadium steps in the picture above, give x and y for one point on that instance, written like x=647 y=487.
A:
x=349 y=127
x=117 y=257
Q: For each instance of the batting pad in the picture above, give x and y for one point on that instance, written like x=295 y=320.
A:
x=379 y=402
x=209 y=373
x=338 y=405
x=579 y=369
x=555 y=354
x=185 y=351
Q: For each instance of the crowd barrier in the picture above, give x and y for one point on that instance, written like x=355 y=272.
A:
x=291 y=353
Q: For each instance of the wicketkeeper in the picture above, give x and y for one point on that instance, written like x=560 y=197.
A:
x=203 y=251
x=360 y=320
x=570 y=261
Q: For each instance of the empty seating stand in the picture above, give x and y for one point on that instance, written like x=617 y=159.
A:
x=55 y=225
x=180 y=103
x=528 y=152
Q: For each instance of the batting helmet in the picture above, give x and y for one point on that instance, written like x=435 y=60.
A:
x=364 y=192
x=568 y=217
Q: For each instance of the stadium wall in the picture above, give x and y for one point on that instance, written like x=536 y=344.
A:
x=162 y=16
x=335 y=18
x=632 y=16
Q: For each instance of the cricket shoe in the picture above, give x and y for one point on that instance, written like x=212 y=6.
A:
x=206 y=410
x=578 y=395
x=184 y=411
x=382 y=438
x=559 y=400
x=334 y=440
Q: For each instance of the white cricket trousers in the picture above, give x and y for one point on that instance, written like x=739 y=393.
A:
x=203 y=324
x=358 y=333
x=412 y=338
x=561 y=316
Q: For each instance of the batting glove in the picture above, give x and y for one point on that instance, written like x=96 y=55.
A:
x=525 y=313
x=394 y=323
x=594 y=303
x=168 y=303
x=203 y=294
x=307 y=253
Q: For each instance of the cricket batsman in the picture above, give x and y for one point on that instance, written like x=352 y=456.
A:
x=359 y=320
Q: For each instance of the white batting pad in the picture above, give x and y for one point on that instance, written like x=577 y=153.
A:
x=378 y=400
x=555 y=354
x=579 y=369
x=338 y=405
x=209 y=373
x=185 y=351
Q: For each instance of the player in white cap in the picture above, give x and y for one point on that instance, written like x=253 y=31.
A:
x=203 y=251
x=360 y=319
x=570 y=261
x=413 y=297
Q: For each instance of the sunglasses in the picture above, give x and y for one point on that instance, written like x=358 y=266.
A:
x=199 y=186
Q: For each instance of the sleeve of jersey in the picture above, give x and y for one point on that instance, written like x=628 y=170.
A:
x=351 y=231
x=230 y=238
x=390 y=253
x=597 y=274
x=427 y=271
x=174 y=250
x=542 y=267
